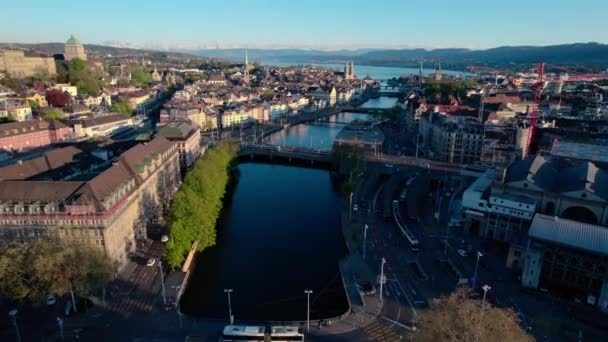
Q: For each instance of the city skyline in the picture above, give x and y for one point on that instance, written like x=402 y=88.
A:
x=315 y=25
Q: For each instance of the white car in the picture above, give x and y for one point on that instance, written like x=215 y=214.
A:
x=50 y=300
x=151 y=262
x=164 y=238
x=462 y=252
x=355 y=207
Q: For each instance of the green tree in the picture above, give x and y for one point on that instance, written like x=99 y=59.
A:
x=460 y=316
x=197 y=205
x=7 y=119
x=140 y=76
x=31 y=270
x=121 y=107
x=33 y=104
x=86 y=79
x=53 y=114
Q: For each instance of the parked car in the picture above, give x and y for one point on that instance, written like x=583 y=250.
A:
x=355 y=207
x=365 y=287
x=164 y=238
x=151 y=262
x=51 y=300
x=462 y=252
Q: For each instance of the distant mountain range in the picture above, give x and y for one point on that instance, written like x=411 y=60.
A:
x=592 y=55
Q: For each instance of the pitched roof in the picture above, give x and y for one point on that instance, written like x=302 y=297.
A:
x=137 y=155
x=176 y=130
x=104 y=183
x=552 y=176
x=23 y=127
x=29 y=168
x=574 y=234
x=43 y=191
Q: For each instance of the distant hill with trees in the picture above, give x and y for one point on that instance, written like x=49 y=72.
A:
x=592 y=56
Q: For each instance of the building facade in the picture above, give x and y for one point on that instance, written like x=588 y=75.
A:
x=101 y=125
x=112 y=210
x=451 y=138
x=17 y=65
x=569 y=258
x=74 y=49
x=19 y=136
x=187 y=136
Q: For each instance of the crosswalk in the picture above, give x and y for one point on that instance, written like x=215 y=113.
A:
x=381 y=332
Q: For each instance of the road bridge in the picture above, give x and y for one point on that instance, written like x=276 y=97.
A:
x=286 y=153
x=313 y=155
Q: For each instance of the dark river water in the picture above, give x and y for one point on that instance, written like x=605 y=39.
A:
x=280 y=235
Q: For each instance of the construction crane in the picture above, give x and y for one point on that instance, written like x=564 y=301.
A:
x=538 y=91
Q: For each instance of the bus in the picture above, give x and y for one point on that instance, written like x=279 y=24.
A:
x=240 y=333
x=277 y=333
x=409 y=236
x=286 y=333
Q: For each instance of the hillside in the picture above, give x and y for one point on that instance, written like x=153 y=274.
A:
x=99 y=50
x=591 y=55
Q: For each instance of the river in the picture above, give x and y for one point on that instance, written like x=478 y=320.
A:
x=279 y=235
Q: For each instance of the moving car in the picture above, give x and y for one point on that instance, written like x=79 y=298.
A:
x=355 y=207
x=462 y=252
x=151 y=262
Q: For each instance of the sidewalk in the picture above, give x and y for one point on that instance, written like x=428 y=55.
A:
x=364 y=309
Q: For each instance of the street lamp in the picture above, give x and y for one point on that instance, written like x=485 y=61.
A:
x=382 y=279
x=350 y=206
x=60 y=325
x=365 y=239
x=13 y=315
x=308 y=293
x=162 y=281
x=476 y=267
x=485 y=289
x=228 y=292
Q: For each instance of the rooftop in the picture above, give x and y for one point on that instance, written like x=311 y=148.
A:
x=177 y=130
x=73 y=40
x=578 y=235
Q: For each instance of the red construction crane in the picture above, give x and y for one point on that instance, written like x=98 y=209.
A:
x=538 y=90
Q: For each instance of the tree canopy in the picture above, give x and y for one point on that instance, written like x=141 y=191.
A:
x=140 y=76
x=53 y=114
x=197 y=205
x=460 y=316
x=440 y=91
x=31 y=270
x=121 y=107
x=86 y=79
x=58 y=98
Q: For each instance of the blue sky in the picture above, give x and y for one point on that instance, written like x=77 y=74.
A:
x=311 y=23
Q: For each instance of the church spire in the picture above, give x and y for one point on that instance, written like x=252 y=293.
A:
x=246 y=72
x=420 y=75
